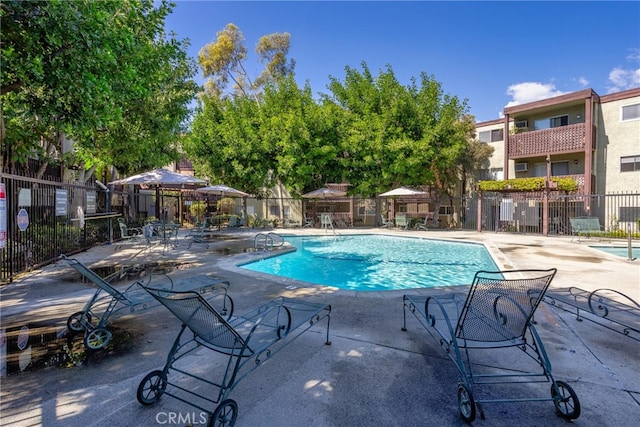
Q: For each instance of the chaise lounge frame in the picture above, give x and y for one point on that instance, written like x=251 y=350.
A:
x=608 y=308
x=496 y=315
x=109 y=303
x=247 y=341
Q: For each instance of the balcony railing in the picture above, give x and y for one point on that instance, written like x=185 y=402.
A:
x=564 y=139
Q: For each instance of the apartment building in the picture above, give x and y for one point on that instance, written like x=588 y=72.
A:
x=591 y=138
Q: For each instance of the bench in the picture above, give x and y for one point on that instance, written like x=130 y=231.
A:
x=586 y=226
x=247 y=340
x=606 y=307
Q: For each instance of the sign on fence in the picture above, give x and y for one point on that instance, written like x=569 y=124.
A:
x=61 y=202
x=23 y=219
x=91 y=202
x=3 y=216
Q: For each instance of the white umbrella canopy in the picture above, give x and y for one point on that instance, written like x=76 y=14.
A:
x=222 y=190
x=160 y=177
x=324 y=193
x=402 y=191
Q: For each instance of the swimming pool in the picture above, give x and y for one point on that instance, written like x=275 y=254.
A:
x=621 y=251
x=377 y=262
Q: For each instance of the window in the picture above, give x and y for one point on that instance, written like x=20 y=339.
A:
x=556 y=122
x=497 y=174
x=559 y=168
x=629 y=163
x=552 y=122
x=631 y=112
x=491 y=135
x=445 y=210
x=629 y=214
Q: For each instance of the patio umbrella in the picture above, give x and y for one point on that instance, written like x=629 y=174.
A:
x=324 y=193
x=160 y=177
x=402 y=191
x=222 y=190
x=225 y=191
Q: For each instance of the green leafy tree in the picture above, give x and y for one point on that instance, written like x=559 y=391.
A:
x=95 y=79
x=398 y=135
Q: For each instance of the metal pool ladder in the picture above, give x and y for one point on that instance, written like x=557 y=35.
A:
x=267 y=241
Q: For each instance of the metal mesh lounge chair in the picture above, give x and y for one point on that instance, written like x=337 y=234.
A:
x=246 y=342
x=494 y=321
x=608 y=308
x=108 y=302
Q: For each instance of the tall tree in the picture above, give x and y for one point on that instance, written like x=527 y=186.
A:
x=395 y=134
x=223 y=60
x=103 y=67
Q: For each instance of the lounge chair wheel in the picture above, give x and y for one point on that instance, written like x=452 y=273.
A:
x=97 y=338
x=225 y=414
x=567 y=403
x=75 y=323
x=152 y=387
x=466 y=404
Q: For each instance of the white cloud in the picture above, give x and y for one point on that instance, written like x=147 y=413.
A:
x=522 y=93
x=621 y=78
x=583 y=81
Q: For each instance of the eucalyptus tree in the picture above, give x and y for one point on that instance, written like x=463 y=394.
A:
x=222 y=61
x=97 y=73
x=243 y=154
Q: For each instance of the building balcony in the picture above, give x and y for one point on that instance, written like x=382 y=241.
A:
x=563 y=139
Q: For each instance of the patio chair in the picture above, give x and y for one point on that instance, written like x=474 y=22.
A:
x=129 y=234
x=197 y=235
x=309 y=223
x=402 y=222
x=109 y=302
x=326 y=222
x=496 y=317
x=425 y=225
x=246 y=342
x=385 y=223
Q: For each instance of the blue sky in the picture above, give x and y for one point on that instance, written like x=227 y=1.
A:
x=493 y=54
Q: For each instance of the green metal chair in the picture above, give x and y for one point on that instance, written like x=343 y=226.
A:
x=495 y=321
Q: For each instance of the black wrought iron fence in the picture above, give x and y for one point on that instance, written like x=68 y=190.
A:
x=47 y=218
x=618 y=214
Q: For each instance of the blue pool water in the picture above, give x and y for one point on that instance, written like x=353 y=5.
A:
x=374 y=263
x=619 y=251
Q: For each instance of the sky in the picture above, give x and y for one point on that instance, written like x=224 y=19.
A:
x=492 y=54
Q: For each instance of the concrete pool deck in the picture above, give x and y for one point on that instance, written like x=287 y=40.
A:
x=373 y=373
